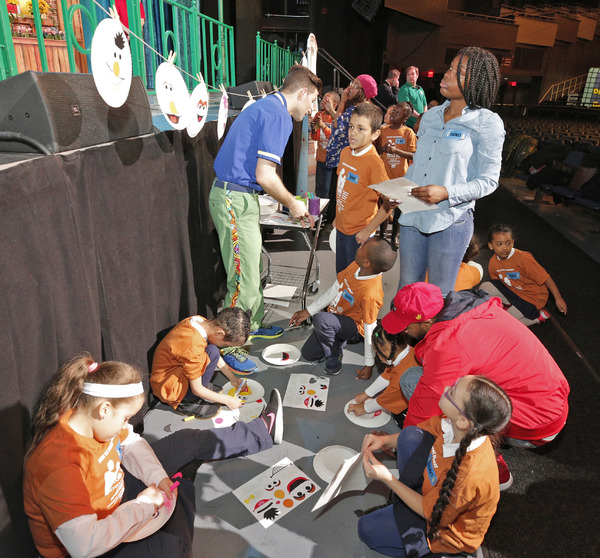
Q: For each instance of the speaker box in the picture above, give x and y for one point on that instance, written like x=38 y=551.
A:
x=240 y=97
x=65 y=111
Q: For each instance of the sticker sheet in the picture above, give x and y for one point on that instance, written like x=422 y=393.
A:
x=306 y=391
x=276 y=492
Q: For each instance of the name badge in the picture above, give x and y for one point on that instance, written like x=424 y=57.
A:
x=348 y=297
x=352 y=177
x=431 y=471
x=455 y=134
x=513 y=275
x=400 y=141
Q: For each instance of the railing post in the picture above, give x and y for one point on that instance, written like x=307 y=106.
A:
x=39 y=31
x=137 y=48
x=8 y=61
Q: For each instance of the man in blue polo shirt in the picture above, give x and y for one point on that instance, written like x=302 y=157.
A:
x=245 y=165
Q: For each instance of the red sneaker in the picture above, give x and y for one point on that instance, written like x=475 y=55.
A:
x=543 y=316
x=505 y=477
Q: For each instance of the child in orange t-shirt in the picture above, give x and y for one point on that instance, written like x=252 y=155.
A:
x=320 y=130
x=357 y=212
x=186 y=360
x=352 y=303
x=518 y=279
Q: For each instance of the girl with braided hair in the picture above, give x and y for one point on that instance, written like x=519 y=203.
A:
x=447 y=490
x=457 y=161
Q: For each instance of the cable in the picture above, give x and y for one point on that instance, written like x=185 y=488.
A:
x=22 y=138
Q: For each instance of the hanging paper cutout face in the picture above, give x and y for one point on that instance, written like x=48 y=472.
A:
x=111 y=62
x=223 y=109
x=248 y=103
x=198 y=110
x=172 y=95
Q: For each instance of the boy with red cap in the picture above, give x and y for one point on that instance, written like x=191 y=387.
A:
x=470 y=333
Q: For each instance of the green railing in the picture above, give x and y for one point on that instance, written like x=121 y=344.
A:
x=203 y=45
x=273 y=61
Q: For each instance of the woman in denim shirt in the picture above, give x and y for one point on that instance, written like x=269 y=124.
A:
x=458 y=158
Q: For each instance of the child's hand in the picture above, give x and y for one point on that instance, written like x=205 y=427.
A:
x=561 y=305
x=233 y=403
x=375 y=469
x=236 y=382
x=165 y=486
x=357 y=408
x=299 y=317
x=362 y=236
x=364 y=373
x=361 y=397
x=152 y=495
x=374 y=441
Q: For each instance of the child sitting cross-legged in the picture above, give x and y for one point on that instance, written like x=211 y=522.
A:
x=520 y=282
x=385 y=392
x=186 y=360
x=353 y=303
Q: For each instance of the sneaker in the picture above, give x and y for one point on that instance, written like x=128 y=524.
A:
x=266 y=331
x=505 y=476
x=333 y=365
x=543 y=316
x=201 y=410
x=273 y=417
x=237 y=359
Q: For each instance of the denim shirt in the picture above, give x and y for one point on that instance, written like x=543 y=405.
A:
x=464 y=155
x=338 y=138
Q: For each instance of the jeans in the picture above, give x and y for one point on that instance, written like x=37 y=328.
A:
x=322 y=180
x=331 y=332
x=410 y=379
x=440 y=253
x=214 y=354
x=345 y=250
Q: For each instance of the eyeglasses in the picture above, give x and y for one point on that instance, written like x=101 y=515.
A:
x=447 y=396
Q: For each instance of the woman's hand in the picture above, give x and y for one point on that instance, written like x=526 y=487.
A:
x=375 y=469
x=430 y=194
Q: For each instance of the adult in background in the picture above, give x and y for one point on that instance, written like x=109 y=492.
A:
x=467 y=333
x=246 y=165
x=362 y=88
x=414 y=94
x=387 y=92
x=458 y=158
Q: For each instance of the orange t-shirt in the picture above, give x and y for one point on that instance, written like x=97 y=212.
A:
x=67 y=476
x=403 y=138
x=180 y=357
x=359 y=299
x=469 y=276
x=521 y=273
x=322 y=136
x=392 y=397
x=356 y=203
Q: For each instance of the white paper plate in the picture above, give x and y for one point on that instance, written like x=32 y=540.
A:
x=370 y=420
x=250 y=411
x=156 y=522
x=252 y=393
x=332 y=236
x=330 y=459
x=281 y=354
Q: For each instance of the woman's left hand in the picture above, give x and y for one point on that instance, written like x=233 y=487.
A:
x=430 y=194
x=375 y=469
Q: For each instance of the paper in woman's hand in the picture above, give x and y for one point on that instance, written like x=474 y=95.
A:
x=399 y=189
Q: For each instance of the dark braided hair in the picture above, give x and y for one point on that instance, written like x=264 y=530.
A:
x=482 y=77
x=489 y=409
x=397 y=341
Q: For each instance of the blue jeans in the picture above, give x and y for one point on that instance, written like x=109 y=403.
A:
x=440 y=253
x=410 y=379
x=345 y=250
x=214 y=354
x=331 y=332
x=396 y=530
x=322 y=180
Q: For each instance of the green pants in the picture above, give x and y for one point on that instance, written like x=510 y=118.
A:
x=236 y=217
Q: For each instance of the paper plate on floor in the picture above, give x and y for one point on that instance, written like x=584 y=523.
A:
x=332 y=236
x=330 y=459
x=250 y=411
x=250 y=394
x=370 y=420
x=155 y=522
x=281 y=354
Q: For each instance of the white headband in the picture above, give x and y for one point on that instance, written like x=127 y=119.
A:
x=111 y=391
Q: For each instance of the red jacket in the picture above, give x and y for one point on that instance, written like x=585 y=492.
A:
x=474 y=335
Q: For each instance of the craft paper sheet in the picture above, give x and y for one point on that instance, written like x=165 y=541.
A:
x=305 y=391
x=276 y=492
x=399 y=189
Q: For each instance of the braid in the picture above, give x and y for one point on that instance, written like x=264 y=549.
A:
x=482 y=77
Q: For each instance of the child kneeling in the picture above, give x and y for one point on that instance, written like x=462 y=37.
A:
x=186 y=360
x=353 y=303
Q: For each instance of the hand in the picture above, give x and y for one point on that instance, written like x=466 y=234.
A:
x=374 y=441
x=364 y=373
x=361 y=397
x=430 y=194
x=153 y=494
x=388 y=204
x=236 y=382
x=298 y=210
x=233 y=403
x=362 y=236
x=357 y=408
x=328 y=105
x=561 y=305
x=375 y=469
x=299 y=317
x=165 y=486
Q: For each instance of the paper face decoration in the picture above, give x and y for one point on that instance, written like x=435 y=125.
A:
x=276 y=492
x=198 y=109
x=222 y=121
x=111 y=62
x=305 y=391
x=172 y=95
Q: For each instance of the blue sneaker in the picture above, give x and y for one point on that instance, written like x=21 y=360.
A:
x=237 y=359
x=266 y=331
x=333 y=365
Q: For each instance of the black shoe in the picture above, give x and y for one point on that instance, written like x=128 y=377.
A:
x=333 y=365
x=273 y=417
x=201 y=410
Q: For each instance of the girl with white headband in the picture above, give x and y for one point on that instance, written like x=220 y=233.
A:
x=78 y=499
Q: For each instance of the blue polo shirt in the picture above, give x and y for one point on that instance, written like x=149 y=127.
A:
x=261 y=130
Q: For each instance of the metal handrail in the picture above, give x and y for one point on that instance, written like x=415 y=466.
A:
x=273 y=62
x=558 y=90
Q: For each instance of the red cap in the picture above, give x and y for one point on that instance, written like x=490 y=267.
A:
x=414 y=303
x=369 y=85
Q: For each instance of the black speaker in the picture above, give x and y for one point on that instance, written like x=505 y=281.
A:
x=238 y=100
x=65 y=111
